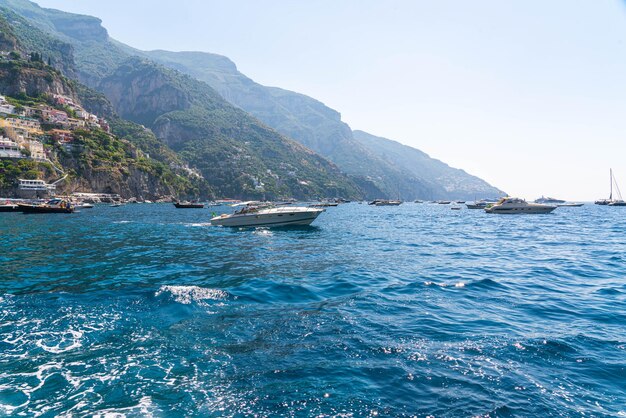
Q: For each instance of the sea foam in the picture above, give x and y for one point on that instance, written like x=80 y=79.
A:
x=189 y=294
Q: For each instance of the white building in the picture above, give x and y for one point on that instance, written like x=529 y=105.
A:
x=37 y=151
x=9 y=149
x=35 y=188
x=7 y=109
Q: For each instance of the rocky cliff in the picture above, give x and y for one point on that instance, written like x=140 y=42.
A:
x=239 y=155
x=31 y=79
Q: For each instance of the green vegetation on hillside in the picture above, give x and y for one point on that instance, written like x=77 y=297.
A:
x=11 y=170
x=32 y=40
x=237 y=154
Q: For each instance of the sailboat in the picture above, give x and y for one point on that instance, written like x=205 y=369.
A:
x=610 y=201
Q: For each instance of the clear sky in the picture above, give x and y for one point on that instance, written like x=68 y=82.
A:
x=529 y=95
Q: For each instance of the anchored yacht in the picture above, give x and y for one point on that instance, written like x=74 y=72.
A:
x=258 y=214
x=385 y=202
x=516 y=206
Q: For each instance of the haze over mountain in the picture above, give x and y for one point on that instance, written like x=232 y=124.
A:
x=229 y=147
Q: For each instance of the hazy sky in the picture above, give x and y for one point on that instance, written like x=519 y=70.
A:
x=529 y=95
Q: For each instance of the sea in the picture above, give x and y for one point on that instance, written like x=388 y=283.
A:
x=415 y=310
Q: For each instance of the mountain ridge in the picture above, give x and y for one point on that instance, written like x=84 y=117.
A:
x=320 y=128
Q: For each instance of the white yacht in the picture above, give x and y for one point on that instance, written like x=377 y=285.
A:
x=258 y=214
x=385 y=202
x=517 y=206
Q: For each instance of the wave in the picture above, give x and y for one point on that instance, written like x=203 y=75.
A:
x=190 y=294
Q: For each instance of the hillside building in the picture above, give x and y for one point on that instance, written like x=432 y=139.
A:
x=9 y=149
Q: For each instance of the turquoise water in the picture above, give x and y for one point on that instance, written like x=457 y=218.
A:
x=413 y=310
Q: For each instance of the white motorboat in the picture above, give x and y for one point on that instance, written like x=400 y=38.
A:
x=385 y=202
x=516 y=206
x=254 y=214
x=549 y=200
x=83 y=205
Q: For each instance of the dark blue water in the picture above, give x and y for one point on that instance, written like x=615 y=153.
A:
x=414 y=310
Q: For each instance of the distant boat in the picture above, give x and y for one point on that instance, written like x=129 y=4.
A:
x=570 y=205
x=516 y=206
x=549 y=200
x=610 y=201
x=189 y=205
x=479 y=204
x=51 y=206
x=385 y=202
x=83 y=205
x=443 y=202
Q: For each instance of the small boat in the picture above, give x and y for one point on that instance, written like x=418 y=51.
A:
x=480 y=204
x=83 y=205
x=517 y=206
x=255 y=214
x=116 y=204
x=418 y=201
x=549 y=200
x=51 y=206
x=443 y=202
x=189 y=205
x=455 y=208
x=459 y=201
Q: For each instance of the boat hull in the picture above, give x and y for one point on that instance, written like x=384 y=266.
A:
x=43 y=209
x=520 y=211
x=9 y=208
x=274 y=219
x=189 y=206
